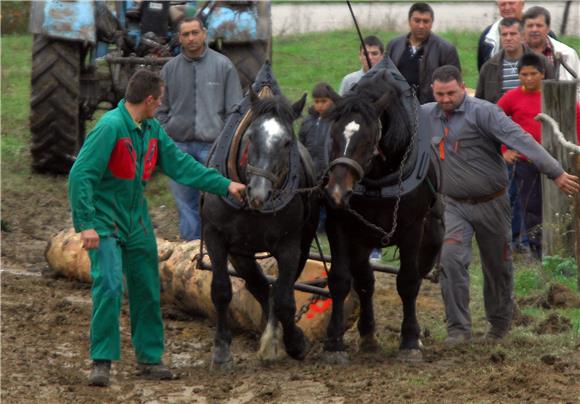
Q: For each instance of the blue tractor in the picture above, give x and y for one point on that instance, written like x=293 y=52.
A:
x=85 y=51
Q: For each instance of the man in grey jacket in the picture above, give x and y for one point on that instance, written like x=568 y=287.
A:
x=468 y=133
x=418 y=53
x=201 y=88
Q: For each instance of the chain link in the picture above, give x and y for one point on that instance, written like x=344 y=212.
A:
x=305 y=307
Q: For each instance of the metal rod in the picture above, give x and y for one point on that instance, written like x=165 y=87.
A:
x=362 y=42
x=301 y=286
x=376 y=267
x=134 y=60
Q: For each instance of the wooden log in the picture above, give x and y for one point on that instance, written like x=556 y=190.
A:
x=559 y=102
x=189 y=288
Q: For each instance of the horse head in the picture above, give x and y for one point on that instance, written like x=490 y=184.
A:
x=361 y=123
x=270 y=137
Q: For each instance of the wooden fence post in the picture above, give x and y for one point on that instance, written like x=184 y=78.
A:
x=577 y=220
x=559 y=102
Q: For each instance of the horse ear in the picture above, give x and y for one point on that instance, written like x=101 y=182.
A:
x=298 y=106
x=253 y=96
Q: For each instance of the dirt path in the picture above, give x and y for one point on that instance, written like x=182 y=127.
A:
x=45 y=325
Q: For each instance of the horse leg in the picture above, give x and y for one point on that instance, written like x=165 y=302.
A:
x=221 y=296
x=364 y=285
x=284 y=303
x=339 y=283
x=408 y=284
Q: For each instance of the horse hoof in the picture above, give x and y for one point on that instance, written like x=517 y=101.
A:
x=336 y=357
x=410 y=355
x=300 y=352
x=369 y=344
x=221 y=357
x=271 y=345
x=221 y=366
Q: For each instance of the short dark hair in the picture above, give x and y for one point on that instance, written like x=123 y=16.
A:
x=446 y=74
x=190 y=18
x=373 y=40
x=421 y=8
x=535 y=12
x=324 y=90
x=142 y=84
x=509 y=21
x=533 y=60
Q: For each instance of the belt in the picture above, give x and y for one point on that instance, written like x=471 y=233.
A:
x=480 y=199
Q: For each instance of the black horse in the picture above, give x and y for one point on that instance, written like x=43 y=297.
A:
x=373 y=132
x=269 y=163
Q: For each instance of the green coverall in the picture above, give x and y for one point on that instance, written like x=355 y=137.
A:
x=106 y=194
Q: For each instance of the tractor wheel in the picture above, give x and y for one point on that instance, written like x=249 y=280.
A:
x=248 y=59
x=54 y=104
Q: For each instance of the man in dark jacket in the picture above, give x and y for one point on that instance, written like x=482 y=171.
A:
x=489 y=40
x=418 y=53
x=500 y=73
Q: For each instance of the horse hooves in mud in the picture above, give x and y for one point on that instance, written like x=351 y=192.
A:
x=299 y=346
x=369 y=344
x=271 y=344
x=221 y=358
x=410 y=355
x=335 y=357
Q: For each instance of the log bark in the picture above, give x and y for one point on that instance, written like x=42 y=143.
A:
x=189 y=288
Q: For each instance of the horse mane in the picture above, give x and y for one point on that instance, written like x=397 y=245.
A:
x=277 y=105
x=354 y=103
x=397 y=128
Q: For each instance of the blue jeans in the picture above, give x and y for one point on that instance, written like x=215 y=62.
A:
x=519 y=234
x=187 y=198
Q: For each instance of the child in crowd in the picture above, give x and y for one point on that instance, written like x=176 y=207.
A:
x=315 y=132
x=522 y=104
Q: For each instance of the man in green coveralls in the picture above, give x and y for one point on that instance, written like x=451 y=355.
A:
x=110 y=211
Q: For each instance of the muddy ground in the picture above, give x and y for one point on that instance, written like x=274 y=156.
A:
x=45 y=324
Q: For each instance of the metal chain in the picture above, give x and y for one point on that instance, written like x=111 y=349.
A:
x=386 y=237
x=305 y=307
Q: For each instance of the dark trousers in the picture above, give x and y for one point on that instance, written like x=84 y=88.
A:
x=527 y=179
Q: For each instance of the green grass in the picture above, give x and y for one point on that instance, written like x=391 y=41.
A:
x=300 y=61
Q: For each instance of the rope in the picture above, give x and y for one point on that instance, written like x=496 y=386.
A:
x=559 y=135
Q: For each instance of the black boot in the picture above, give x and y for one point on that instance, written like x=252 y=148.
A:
x=100 y=373
x=156 y=371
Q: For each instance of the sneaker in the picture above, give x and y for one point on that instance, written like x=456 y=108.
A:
x=100 y=373
x=157 y=371
x=455 y=339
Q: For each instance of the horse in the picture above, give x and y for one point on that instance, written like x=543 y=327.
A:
x=268 y=160
x=372 y=134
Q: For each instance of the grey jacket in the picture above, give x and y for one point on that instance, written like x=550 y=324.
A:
x=473 y=165
x=490 y=79
x=199 y=93
x=437 y=52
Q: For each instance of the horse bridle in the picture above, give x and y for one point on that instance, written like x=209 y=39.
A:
x=276 y=181
x=351 y=163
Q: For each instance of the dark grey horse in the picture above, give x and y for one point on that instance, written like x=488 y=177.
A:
x=371 y=132
x=268 y=161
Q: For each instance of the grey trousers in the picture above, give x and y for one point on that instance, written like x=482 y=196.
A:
x=491 y=224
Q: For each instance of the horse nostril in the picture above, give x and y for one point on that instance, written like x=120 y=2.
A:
x=268 y=195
